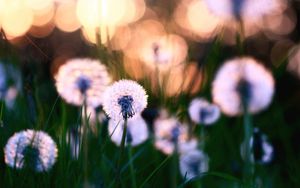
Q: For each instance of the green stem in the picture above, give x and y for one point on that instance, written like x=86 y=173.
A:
x=174 y=167
x=240 y=37
x=122 y=147
x=202 y=136
x=131 y=168
x=248 y=166
x=85 y=142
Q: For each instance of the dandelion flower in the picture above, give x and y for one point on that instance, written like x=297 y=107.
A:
x=201 y=111
x=163 y=52
x=169 y=133
x=31 y=149
x=193 y=163
x=263 y=150
x=124 y=99
x=243 y=82
x=80 y=78
x=137 y=131
x=244 y=9
x=10 y=83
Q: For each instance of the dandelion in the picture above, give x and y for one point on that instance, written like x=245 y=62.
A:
x=80 y=79
x=193 y=163
x=243 y=83
x=124 y=99
x=137 y=131
x=170 y=133
x=251 y=10
x=263 y=151
x=163 y=52
x=201 y=111
x=10 y=83
x=31 y=149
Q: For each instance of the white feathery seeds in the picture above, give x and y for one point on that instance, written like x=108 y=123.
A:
x=242 y=79
x=202 y=112
x=169 y=132
x=124 y=99
x=78 y=78
x=263 y=150
x=137 y=131
x=32 y=149
x=247 y=10
x=193 y=163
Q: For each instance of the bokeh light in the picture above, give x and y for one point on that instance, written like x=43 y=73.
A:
x=65 y=18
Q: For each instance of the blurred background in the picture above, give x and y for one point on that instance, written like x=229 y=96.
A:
x=187 y=41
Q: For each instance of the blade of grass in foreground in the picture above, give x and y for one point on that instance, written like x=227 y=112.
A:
x=216 y=174
x=156 y=170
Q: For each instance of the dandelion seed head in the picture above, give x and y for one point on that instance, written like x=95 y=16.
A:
x=263 y=151
x=201 y=111
x=124 y=99
x=193 y=163
x=169 y=133
x=243 y=81
x=247 y=10
x=80 y=78
x=10 y=83
x=137 y=131
x=83 y=84
x=31 y=149
x=126 y=106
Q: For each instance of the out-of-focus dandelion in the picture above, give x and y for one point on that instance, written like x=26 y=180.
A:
x=247 y=10
x=243 y=80
x=193 y=163
x=263 y=151
x=10 y=83
x=78 y=79
x=169 y=133
x=124 y=99
x=137 y=131
x=163 y=52
x=202 y=112
x=31 y=149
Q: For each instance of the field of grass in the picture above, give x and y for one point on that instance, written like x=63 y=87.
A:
x=87 y=155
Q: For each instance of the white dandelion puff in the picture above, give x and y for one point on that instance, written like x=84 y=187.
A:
x=201 y=111
x=243 y=82
x=31 y=149
x=170 y=133
x=263 y=151
x=250 y=10
x=137 y=131
x=124 y=99
x=80 y=78
x=193 y=163
x=10 y=83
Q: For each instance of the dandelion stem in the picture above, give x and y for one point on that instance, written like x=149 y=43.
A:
x=1 y=110
x=202 y=136
x=131 y=168
x=174 y=168
x=240 y=37
x=248 y=166
x=85 y=142
x=122 y=147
